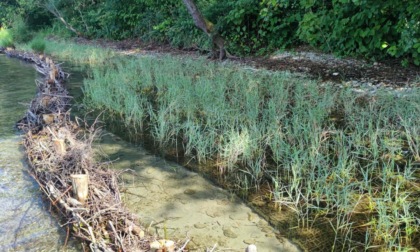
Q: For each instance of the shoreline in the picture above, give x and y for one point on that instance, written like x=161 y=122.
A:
x=335 y=121
x=53 y=142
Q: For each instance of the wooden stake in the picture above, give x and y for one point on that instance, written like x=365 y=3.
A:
x=48 y=118
x=59 y=146
x=80 y=184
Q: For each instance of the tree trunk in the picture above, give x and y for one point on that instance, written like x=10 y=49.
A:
x=50 y=6
x=207 y=27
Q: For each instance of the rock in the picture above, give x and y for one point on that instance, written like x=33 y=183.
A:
x=200 y=225
x=266 y=229
x=189 y=192
x=251 y=217
x=155 y=246
x=251 y=248
x=228 y=232
x=168 y=245
x=162 y=245
x=213 y=214
x=249 y=241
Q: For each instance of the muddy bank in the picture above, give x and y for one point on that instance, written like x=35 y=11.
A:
x=306 y=60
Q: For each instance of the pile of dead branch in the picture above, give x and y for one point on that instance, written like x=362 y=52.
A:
x=62 y=161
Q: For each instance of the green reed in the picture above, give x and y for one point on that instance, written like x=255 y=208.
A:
x=331 y=155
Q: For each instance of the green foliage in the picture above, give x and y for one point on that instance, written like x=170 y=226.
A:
x=258 y=26
x=38 y=44
x=20 y=30
x=6 y=39
x=59 y=30
x=371 y=28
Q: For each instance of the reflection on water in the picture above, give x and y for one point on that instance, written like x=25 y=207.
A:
x=25 y=220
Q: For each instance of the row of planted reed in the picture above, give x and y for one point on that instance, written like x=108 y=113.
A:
x=336 y=158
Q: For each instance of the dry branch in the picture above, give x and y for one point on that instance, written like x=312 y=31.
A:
x=57 y=149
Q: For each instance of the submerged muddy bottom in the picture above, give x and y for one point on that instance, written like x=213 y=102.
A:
x=178 y=204
x=25 y=222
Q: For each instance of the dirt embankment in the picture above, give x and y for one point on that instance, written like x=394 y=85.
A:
x=325 y=67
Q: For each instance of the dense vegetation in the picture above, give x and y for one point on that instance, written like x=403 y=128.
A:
x=338 y=159
x=370 y=28
x=342 y=161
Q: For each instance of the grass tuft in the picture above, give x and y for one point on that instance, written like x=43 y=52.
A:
x=38 y=44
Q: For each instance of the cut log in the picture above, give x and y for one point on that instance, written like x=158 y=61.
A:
x=59 y=146
x=80 y=183
x=48 y=118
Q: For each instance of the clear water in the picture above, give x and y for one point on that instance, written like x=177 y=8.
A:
x=26 y=223
x=180 y=204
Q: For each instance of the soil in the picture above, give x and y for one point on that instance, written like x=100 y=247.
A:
x=306 y=60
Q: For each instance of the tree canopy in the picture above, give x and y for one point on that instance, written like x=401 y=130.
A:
x=369 y=28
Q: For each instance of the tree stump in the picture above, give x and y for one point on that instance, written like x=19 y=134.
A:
x=80 y=186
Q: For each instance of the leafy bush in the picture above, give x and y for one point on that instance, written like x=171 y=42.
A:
x=6 y=39
x=38 y=44
x=259 y=26
x=20 y=31
x=371 y=28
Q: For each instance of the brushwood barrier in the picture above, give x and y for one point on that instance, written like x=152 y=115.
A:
x=62 y=162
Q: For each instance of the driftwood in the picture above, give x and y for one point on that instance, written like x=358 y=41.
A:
x=58 y=149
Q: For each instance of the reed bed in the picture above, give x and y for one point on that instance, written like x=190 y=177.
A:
x=337 y=158
x=59 y=151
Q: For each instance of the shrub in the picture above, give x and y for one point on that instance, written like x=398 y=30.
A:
x=38 y=44
x=20 y=31
x=6 y=39
x=374 y=28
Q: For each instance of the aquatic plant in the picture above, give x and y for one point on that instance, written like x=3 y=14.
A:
x=333 y=156
x=78 y=54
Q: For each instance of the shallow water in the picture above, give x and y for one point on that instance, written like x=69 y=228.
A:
x=178 y=203
x=25 y=220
